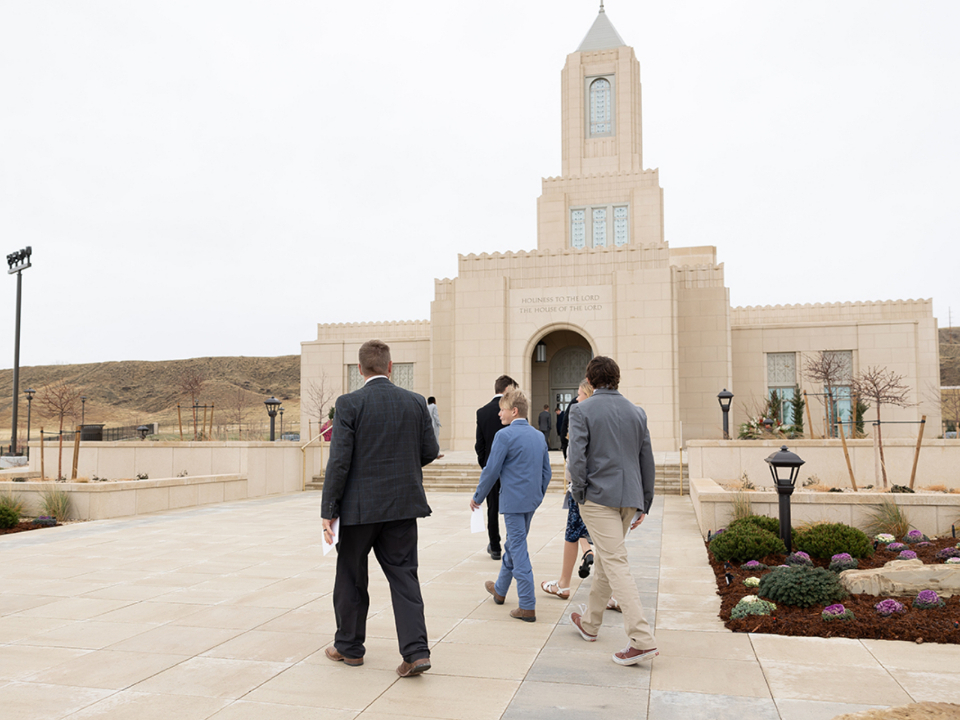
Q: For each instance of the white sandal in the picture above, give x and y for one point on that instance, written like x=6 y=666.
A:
x=614 y=605
x=553 y=588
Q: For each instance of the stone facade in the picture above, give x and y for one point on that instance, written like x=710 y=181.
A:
x=603 y=280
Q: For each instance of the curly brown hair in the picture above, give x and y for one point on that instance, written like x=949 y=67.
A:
x=603 y=372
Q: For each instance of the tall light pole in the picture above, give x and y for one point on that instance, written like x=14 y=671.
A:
x=17 y=262
x=83 y=410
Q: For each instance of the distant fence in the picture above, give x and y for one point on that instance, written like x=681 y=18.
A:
x=100 y=433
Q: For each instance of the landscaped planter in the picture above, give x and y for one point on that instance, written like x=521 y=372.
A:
x=933 y=513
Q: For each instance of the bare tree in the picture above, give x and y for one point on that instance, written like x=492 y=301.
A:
x=191 y=382
x=829 y=369
x=950 y=406
x=882 y=387
x=238 y=408
x=316 y=399
x=59 y=400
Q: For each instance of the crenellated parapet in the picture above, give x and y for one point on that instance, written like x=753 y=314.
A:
x=389 y=330
x=565 y=265
x=698 y=276
x=612 y=180
x=861 y=311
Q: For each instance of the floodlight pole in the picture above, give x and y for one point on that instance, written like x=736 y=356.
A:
x=16 y=263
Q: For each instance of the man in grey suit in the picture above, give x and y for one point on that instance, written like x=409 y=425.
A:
x=382 y=437
x=612 y=471
x=543 y=423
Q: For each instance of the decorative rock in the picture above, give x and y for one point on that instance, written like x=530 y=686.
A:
x=903 y=577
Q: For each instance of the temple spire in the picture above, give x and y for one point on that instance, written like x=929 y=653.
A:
x=602 y=34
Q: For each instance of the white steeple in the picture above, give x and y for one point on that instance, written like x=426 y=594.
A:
x=602 y=34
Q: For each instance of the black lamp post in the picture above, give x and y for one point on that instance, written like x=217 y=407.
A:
x=281 y=422
x=83 y=410
x=143 y=430
x=272 y=406
x=29 y=392
x=724 y=398
x=785 y=467
x=17 y=262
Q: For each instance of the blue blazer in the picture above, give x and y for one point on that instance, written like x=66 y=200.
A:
x=520 y=459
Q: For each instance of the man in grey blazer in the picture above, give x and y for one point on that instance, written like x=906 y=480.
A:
x=382 y=437
x=612 y=472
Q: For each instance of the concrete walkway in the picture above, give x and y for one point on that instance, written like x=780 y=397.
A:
x=223 y=612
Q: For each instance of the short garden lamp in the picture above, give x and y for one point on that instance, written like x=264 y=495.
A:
x=281 y=422
x=29 y=392
x=143 y=431
x=785 y=467
x=272 y=406
x=725 y=397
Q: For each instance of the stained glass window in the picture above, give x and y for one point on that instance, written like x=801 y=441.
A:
x=599 y=227
x=621 y=233
x=578 y=228
x=600 y=107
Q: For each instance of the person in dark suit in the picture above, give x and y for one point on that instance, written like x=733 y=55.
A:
x=563 y=428
x=543 y=423
x=488 y=425
x=382 y=437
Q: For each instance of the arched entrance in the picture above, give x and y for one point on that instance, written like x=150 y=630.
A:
x=555 y=379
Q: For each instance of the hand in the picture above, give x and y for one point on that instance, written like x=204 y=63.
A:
x=327 y=531
x=638 y=521
x=473 y=505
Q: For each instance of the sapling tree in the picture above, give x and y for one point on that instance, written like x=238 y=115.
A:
x=829 y=369
x=191 y=382
x=882 y=387
x=238 y=408
x=59 y=400
x=316 y=399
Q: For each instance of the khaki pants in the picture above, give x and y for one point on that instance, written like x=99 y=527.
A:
x=608 y=527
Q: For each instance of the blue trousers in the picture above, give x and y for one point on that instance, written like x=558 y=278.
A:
x=516 y=560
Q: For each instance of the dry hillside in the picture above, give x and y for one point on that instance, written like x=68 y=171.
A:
x=134 y=392
x=950 y=357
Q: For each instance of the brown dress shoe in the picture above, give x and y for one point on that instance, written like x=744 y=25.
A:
x=415 y=668
x=525 y=615
x=331 y=652
x=497 y=598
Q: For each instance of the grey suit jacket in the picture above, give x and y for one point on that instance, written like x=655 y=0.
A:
x=610 y=458
x=382 y=437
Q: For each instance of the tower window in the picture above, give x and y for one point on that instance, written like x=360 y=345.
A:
x=601 y=108
x=593 y=223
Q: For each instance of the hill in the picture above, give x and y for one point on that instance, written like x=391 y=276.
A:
x=950 y=357
x=134 y=392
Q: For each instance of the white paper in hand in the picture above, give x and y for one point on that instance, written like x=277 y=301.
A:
x=476 y=521
x=336 y=537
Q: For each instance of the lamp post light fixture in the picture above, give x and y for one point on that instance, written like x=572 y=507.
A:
x=143 y=431
x=785 y=467
x=83 y=410
x=29 y=392
x=725 y=397
x=17 y=262
x=540 y=352
x=272 y=406
x=281 y=422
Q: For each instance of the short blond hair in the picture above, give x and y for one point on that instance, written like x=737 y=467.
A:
x=513 y=398
x=586 y=387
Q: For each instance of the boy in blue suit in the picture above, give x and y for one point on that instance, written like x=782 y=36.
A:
x=520 y=458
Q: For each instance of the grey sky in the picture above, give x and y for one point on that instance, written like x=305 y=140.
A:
x=214 y=178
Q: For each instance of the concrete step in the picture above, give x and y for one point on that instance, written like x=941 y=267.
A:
x=463 y=477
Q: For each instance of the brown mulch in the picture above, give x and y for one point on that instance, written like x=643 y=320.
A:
x=21 y=526
x=940 y=625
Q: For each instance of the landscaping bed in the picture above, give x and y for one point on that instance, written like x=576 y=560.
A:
x=23 y=526
x=941 y=625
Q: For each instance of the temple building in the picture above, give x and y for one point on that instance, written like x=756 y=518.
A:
x=605 y=281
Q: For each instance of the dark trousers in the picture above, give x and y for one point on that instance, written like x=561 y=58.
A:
x=395 y=545
x=493 y=517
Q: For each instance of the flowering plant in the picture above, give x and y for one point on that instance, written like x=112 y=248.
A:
x=947 y=553
x=837 y=612
x=927 y=599
x=798 y=558
x=884 y=538
x=896 y=547
x=953 y=561
x=915 y=536
x=889 y=607
x=752 y=582
x=843 y=561
x=756 y=565
x=907 y=555
x=751 y=605
x=925 y=543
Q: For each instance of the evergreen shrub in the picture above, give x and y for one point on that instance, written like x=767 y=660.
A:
x=761 y=521
x=829 y=539
x=8 y=517
x=745 y=542
x=802 y=586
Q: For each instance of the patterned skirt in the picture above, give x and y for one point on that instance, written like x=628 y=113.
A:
x=575 y=527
